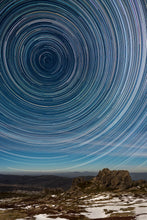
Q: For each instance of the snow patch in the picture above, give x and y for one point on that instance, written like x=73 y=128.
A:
x=95 y=212
x=2 y=209
x=45 y=217
x=141 y=217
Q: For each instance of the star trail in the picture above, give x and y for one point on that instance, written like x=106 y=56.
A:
x=73 y=85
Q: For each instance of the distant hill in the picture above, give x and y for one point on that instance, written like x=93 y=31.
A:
x=77 y=174
x=138 y=176
x=134 y=176
x=33 y=182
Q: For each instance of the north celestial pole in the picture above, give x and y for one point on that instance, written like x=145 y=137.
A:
x=73 y=85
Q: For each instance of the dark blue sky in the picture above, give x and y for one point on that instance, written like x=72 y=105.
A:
x=72 y=85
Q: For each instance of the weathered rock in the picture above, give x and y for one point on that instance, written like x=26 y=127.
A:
x=116 y=179
x=105 y=180
x=78 y=182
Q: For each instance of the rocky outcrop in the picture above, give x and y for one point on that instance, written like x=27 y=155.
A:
x=116 y=179
x=105 y=180
x=79 y=185
x=78 y=182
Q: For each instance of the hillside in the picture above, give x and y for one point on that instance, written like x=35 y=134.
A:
x=10 y=182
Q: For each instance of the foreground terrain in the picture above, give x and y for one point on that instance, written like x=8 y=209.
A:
x=65 y=206
x=111 y=195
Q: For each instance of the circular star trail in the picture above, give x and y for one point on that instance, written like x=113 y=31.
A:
x=72 y=83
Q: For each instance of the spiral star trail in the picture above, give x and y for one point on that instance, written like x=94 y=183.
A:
x=73 y=85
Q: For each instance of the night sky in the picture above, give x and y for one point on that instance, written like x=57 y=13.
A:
x=73 y=85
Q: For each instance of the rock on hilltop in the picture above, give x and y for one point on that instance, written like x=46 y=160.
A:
x=115 y=179
x=105 y=180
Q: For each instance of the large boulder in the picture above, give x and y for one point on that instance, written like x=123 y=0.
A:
x=115 y=179
x=105 y=180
